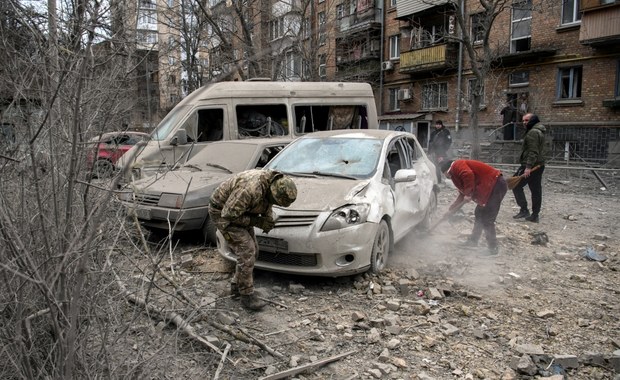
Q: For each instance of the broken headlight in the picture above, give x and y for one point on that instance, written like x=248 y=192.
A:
x=171 y=200
x=347 y=216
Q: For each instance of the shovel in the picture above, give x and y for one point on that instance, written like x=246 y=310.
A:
x=516 y=179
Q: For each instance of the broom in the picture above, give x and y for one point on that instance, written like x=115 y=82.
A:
x=447 y=215
x=516 y=179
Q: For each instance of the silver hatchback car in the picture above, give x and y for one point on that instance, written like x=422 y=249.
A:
x=359 y=192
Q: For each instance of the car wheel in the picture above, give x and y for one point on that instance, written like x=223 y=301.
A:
x=208 y=232
x=103 y=169
x=380 y=248
x=430 y=215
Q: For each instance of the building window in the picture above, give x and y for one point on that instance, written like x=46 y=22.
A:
x=471 y=86
x=305 y=28
x=392 y=3
x=292 y=65
x=147 y=4
x=395 y=47
x=170 y=3
x=521 y=26
x=519 y=78
x=322 y=27
x=322 y=65
x=146 y=37
x=617 y=92
x=435 y=96
x=570 y=12
x=172 y=79
x=393 y=99
x=477 y=27
x=339 y=11
x=569 y=83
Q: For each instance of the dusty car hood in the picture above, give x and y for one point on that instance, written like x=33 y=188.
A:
x=177 y=181
x=326 y=193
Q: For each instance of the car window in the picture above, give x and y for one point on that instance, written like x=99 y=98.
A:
x=341 y=156
x=268 y=154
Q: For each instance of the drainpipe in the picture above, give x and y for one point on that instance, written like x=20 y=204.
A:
x=381 y=58
x=460 y=70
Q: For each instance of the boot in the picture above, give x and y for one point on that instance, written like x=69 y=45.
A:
x=524 y=213
x=234 y=290
x=252 y=302
x=532 y=218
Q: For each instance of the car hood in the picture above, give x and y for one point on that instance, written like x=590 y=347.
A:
x=179 y=181
x=324 y=193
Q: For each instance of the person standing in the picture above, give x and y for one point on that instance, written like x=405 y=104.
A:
x=532 y=162
x=239 y=204
x=483 y=184
x=438 y=145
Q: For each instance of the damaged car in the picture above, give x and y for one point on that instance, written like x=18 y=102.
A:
x=359 y=192
x=177 y=200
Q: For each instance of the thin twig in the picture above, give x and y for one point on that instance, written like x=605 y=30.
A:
x=221 y=365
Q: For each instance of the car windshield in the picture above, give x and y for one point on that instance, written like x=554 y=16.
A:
x=170 y=121
x=227 y=156
x=339 y=157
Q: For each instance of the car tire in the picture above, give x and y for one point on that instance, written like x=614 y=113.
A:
x=208 y=232
x=430 y=215
x=103 y=169
x=380 y=248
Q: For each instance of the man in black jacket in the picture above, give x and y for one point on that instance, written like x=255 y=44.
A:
x=438 y=146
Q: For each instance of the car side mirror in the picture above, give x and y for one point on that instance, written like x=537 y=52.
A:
x=180 y=138
x=405 y=175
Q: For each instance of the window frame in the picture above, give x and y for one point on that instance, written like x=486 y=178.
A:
x=574 y=88
x=524 y=6
x=322 y=65
x=442 y=96
x=576 y=14
x=470 y=83
x=617 y=86
x=477 y=27
x=394 y=46
x=513 y=83
x=393 y=103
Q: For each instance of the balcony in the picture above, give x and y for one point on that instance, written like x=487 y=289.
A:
x=369 y=18
x=601 y=26
x=436 y=57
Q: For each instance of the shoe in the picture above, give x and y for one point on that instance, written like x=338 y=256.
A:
x=522 y=214
x=532 y=218
x=252 y=302
x=234 y=290
x=493 y=251
x=469 y=243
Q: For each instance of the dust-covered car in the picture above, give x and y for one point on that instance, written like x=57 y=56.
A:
x=359 y=192
x=177 y=200
x=108 y=148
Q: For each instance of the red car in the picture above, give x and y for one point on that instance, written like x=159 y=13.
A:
x=110 y=147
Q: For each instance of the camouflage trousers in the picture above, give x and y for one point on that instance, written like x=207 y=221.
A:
x=242 y=243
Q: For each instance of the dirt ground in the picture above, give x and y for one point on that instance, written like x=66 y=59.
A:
x=440 y=311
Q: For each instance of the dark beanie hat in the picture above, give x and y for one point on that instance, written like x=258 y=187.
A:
x=445 y=165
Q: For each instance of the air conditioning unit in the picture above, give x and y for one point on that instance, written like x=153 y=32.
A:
x=404 y=94
x=387 y=66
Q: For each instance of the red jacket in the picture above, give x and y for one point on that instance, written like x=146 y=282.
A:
x=474 y=179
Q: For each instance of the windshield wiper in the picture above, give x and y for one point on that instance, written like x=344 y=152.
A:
x=219 y=167
x=192 y=166
x=337 y=175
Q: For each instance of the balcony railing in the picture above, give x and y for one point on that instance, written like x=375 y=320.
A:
x=428 y=58
x=600 y=27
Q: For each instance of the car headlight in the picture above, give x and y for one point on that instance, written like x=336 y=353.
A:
x=126 y=196
x=347 y=216
x=170 y=200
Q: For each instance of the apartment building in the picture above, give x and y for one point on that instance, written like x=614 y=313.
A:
x=560 y=60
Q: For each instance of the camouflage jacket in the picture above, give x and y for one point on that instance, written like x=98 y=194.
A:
x=533 y=150
x=244 y=195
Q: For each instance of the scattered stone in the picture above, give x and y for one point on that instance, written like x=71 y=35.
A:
x=357 y=316
x=509 y=374
x=393 y=343
x=384 y=356
x=601 y=237
x=581 y=322
x=545 y=314
x=392 y=305
x=526 y=366
x=186 y=261
x=376 y=373
x=529 y=349
x=420 y=307
x=593 y=358
x=448 y=329
x=296 y=288
x=399 y=362
x=434 y=294
x=373 y=336
x=566 y=361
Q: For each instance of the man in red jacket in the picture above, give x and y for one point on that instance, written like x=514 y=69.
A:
x=483 y=184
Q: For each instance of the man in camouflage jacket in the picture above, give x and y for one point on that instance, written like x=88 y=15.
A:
x=239 y=204
x=438 y=146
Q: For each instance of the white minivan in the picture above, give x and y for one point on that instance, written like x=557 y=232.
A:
x=250 y=109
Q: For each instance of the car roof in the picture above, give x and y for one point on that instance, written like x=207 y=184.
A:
x=112 y=134
x=359 y=133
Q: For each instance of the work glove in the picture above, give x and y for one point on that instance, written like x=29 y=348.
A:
x=264 y=223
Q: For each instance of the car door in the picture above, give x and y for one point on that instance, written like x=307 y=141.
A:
x=406 y=201
x=424 y=178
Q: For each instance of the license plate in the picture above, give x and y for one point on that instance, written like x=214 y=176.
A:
x=270 y=244
x=144 y=214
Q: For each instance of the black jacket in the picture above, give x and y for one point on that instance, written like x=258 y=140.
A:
x=440 y=142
